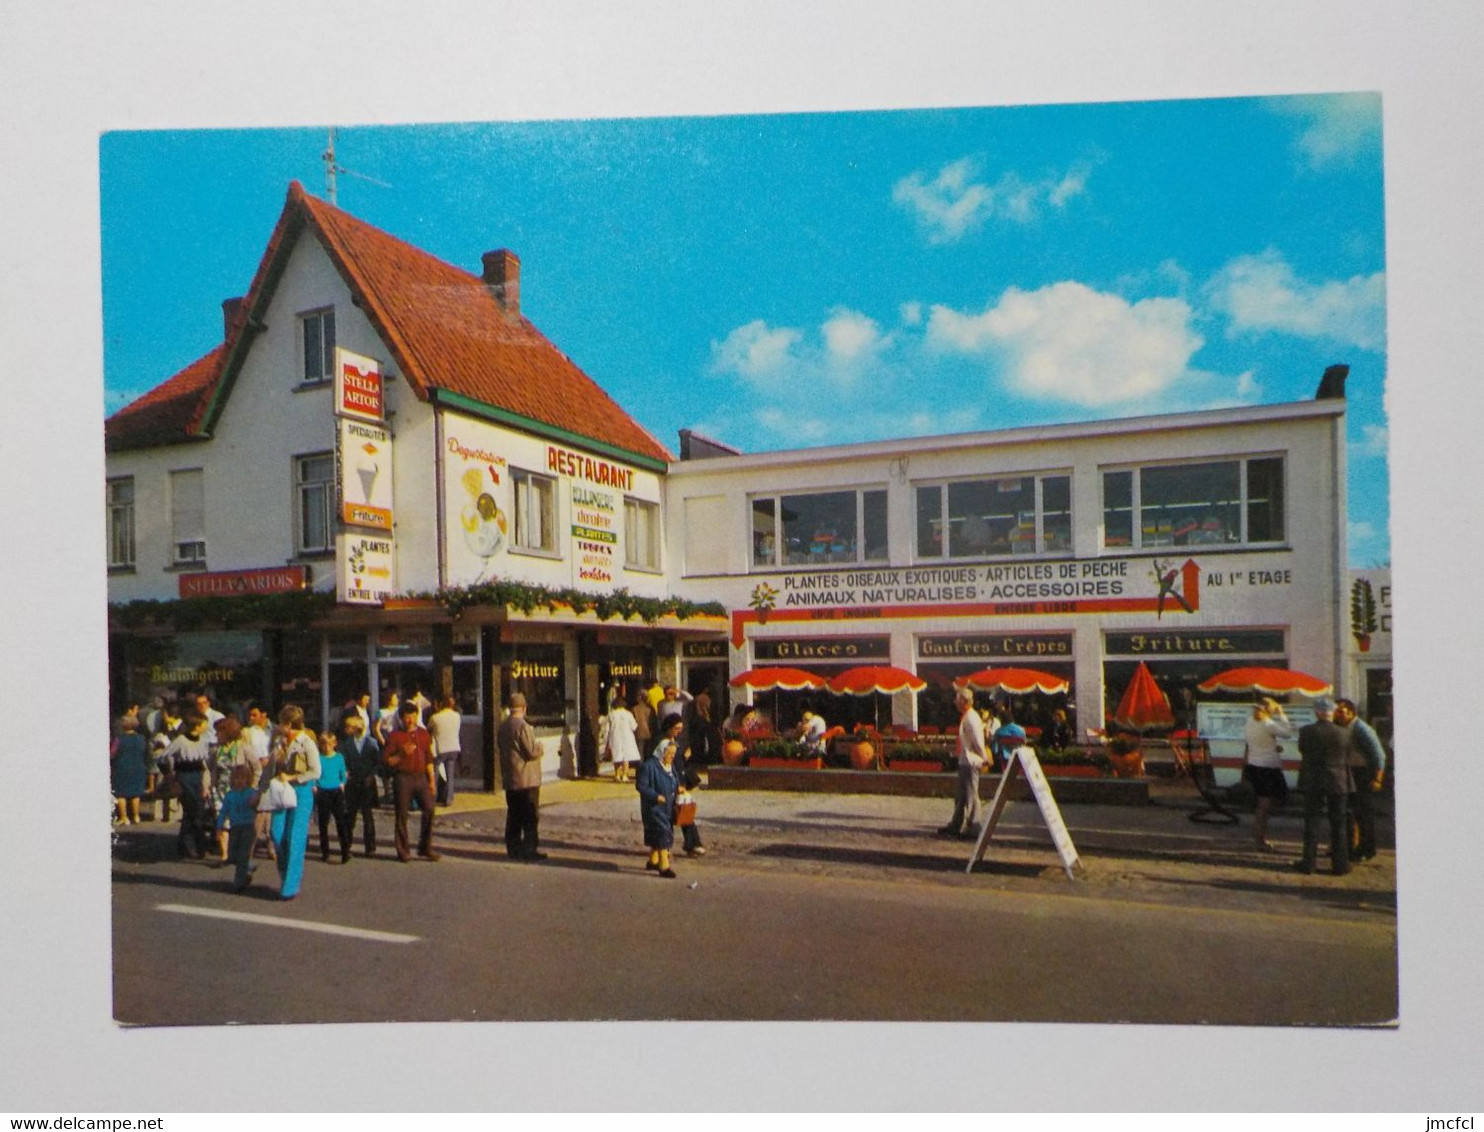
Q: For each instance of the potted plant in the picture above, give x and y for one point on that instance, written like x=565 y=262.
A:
x=733 y=751
x=922 y=758
x=863 y=748
x=1124 y=755
x=1074 y=762
x=783 y=754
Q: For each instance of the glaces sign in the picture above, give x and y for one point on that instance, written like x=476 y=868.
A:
x=358 y=387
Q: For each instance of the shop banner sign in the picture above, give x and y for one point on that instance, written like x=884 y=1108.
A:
x=363 y=462
x=805 y=649
x=594 y=536
x=221 y=583
x=365 y=568
x=476 y=500
x=359 y=392
x=996 y=645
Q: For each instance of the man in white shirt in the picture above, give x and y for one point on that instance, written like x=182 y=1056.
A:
x=444 y=725
x=971 y=761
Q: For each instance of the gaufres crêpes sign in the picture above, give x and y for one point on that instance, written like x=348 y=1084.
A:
x=365 y=564
x=1162 y=587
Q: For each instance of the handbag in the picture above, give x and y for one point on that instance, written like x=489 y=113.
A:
x=281 y=796
x=685 y=811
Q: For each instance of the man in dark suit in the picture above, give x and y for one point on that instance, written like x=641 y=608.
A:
x=1324 y=779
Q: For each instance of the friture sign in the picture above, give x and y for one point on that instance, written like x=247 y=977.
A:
x=822 y=648
x=1200 y=642
x=358 y=388
x=995 y=645
x=270 y=580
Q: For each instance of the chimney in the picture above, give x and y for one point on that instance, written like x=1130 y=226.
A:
x=502 y=277
x=1332 y=384
x=230 y=309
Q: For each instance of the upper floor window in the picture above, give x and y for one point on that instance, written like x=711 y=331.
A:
x=535 y=512
x=314 y=488
x=121 y=521
x=641 y=531
x=819 y=529
x=1214 y=503
x=188 y=517
x=982 y=518
x=319 y=345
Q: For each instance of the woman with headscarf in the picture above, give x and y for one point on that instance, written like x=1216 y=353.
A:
x=658 y=785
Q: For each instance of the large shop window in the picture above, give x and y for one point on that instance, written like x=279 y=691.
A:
x=314 y=484
x=1216 y=503
x=538 y=672
x=641 y=534
x=986 y=518
x=319 y=345
x=819 y=529
x=535 y=512
x=121 y=522
x=188 y=517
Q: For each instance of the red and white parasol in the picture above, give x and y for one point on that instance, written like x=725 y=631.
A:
x=871 y=679
x=776 y=679
x=1272 y=681
x=1016 y=681
x=1144 y=703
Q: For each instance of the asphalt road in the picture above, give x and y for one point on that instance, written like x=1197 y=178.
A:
x=807 y=907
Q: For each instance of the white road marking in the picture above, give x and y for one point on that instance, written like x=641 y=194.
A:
x=277 y=921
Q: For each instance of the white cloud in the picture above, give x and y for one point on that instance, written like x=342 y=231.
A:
x=910 y=314
x=1372 y=442
x=1247 y=387
x=755 y=350
x=955 y=202
x=1071 y=343
x=1336 y=127
x=1260 y=293
x=1361 y=535
x=852 y=337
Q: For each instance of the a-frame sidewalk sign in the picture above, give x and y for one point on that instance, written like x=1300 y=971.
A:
x=1023 y=761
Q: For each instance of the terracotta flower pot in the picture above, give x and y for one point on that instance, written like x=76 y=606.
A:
x=733 y=752
x=1130 y=765
x=862 y=756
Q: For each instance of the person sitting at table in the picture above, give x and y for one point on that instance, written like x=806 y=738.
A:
x=811 y=731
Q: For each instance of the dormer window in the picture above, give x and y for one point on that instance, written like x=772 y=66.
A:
x=319 y=345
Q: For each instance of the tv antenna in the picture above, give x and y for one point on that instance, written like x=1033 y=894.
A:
x=332 y=169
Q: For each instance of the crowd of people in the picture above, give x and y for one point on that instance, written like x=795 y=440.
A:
x=252 y=790
x=249 y=791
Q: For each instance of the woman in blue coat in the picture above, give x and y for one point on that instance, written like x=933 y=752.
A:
x=657 y=785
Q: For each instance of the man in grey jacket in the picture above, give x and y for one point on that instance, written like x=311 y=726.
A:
x=1324 y=779
x=520 y=766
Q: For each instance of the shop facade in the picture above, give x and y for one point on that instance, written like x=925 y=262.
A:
x=465 y=512
x=1192 y=542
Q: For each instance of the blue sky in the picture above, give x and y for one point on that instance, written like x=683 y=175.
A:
x=787 y=280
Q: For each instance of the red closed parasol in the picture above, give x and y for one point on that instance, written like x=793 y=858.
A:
x=1144 y=704
x=772 y=679
x=1016 y=681
x=1271 y=681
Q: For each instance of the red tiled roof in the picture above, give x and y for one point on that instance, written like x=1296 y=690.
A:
x=444 y=328
x=170 y=412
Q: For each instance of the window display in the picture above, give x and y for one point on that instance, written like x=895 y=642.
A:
x=986 y=518
x=1221 y=503
x=819 y=529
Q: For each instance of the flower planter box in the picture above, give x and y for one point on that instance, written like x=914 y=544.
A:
x=914 y=766
x=762 y=762
x=1072 y=771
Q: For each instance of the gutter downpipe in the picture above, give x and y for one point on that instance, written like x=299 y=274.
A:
x=1341 y=545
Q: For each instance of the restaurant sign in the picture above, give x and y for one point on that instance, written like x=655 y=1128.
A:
x=232 y=583
x=793 y=649
x=995 y=645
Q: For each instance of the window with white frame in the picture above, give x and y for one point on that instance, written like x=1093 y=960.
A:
x=319 y=345
x=535 y=512
x=820 y=528
x=314 y=490
x=641 y=534
x=1000 y=515
x=1229 y=502
x=188 y=517
x=121 y=522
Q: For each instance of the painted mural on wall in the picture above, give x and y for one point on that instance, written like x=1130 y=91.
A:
x=476 y=491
